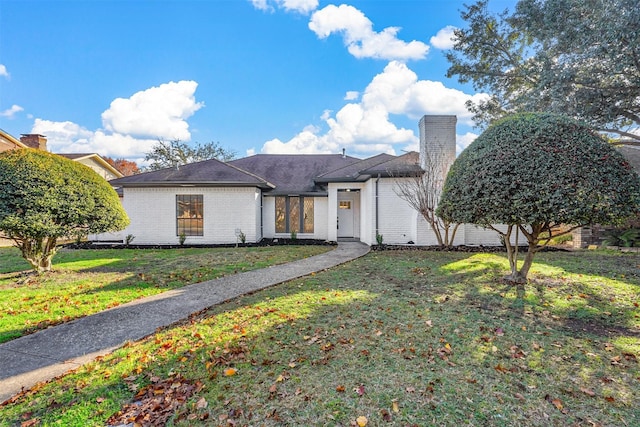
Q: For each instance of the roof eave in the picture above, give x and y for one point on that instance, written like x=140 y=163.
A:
x=164 y=184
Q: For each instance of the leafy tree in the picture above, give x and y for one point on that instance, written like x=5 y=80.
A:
x=534 y=172
x=575 y=57
x=125 y=167
x=45 y=197
x=422 y=192
x=176 y=153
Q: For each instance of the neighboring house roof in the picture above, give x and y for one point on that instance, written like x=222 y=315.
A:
x=293 y=173
x=8 y=142
x=383 y=165
x=78 y=157
x=206 y=173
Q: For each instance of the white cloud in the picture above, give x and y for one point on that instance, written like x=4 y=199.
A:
x=130 y=126
x=61 y=133
x=444 y=39
x=260 y=4
x=69 y=137
x=351 y=95
x=158 y=112
x=3 y=71
x=11 y=112
x=299 y=6
x=359 y=37
x=398 y=89
x=365 y=127
x=463 y=141
x=326 y=114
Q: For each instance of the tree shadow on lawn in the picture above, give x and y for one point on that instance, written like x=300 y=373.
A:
x=302 y=350
x=580 y=300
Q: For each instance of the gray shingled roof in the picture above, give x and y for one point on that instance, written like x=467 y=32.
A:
x=282 y=174
x=407 y=164
x=207 y=173
x=383 y=164
x=353 y=171
x=293 y=173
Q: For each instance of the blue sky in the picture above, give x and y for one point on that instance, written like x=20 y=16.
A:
x=257 y=76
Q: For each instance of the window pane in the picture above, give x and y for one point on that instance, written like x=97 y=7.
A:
x=281 y=213
x=294 y=214
x=308 y=215
x=189 y=215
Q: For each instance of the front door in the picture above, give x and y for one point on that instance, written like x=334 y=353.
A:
x=346 y=213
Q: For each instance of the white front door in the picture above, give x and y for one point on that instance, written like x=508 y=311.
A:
x=346 y=212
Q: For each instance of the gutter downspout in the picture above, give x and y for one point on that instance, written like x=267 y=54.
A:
x=377 y=229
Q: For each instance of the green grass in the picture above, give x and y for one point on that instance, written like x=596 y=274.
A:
x=87 y=281
x=402 y=338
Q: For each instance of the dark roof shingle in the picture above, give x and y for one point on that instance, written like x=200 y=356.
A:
x=206 y=173
x=293 y=173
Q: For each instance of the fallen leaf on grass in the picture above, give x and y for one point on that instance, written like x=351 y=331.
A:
x=340 y=389
x=155 y=403
x=229 y=372
x=361 y=421
x=202 y=403
x=385 y=415
x=587 y=391
x=394 y=407
x=557 y=403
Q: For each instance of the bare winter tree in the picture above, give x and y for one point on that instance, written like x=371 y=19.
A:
x=422 y=190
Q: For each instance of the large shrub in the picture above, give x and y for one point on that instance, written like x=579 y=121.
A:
x=533 y=172
x=45 y=197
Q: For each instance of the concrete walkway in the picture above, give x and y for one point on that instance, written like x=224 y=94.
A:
x=51 y=352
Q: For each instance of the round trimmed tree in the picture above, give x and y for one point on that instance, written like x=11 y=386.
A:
x=45 y=197
x=534 y=172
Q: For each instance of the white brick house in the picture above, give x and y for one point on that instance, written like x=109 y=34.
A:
x=327 y=197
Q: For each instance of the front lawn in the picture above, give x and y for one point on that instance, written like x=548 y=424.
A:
x=401 y=338
x=87 y=281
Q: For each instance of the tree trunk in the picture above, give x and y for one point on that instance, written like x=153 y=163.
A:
x=533 y=238
x=528 y=261
x=39 y=252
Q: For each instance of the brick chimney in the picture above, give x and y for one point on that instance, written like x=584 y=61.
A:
x=33 y=140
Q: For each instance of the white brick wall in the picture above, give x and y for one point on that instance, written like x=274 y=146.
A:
x=396 y=219
x=319 y=220
x=153 y=214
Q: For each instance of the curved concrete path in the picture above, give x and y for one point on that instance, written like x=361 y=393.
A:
x=51 y=352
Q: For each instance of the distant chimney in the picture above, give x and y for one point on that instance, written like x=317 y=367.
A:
x=438 y=140
x=33 y=140
x=344 y=153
